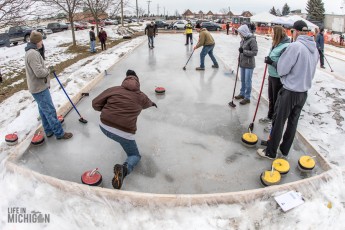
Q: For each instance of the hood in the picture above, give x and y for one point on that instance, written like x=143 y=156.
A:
x=30 y=46
x=203 y=29
x=131 y=83
x=308 y=42
x=286 y=39
x=244 y=30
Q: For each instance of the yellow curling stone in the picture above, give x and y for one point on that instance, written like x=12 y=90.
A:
x=306 y=163
x=249 y=139
x=270 y=178
x=281 y=165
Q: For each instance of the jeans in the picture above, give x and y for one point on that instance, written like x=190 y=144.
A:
x=92 y=46
x=130 y=147
x=207 y=50
x=288 y=107
x=189 y=37
x=47 y=111
x=150 y=41
x=246 y=82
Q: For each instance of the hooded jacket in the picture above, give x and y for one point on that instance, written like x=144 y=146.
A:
x=37 y=75
x=205 y=38
x=120 y=106
x=250 y=48
x=150 y=30
x=297 y=64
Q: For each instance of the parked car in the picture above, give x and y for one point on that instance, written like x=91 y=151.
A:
x=44 y=29
x=211 y=26
x=4 y=40
x=78 y=26
x=57 y=26
x=179 y=25
x=162 y=24
x=111 y=22
x=21 y=33
x=100 y=22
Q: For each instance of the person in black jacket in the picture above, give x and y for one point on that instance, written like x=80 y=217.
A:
x=150 y=31
x=92 y=40
x=227 y=28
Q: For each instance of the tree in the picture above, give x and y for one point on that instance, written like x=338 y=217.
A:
x=273 y=11
x=14 y=11
x=315 y=10
x=286 y=9
x=97 y=8
x=68 y=6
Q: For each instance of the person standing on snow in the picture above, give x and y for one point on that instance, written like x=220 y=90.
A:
x=320 y=43
x=92 y=40
x=150 y=31
x=279 y=44
x=38 y=80
x=296 y=67
x=102 y=36
x=120 y=107
x=248 y=50
x=227 y=28
x=189 y=33
x=207 y=42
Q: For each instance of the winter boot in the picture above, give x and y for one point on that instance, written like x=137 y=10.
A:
x=65 y=136
x=265 y=120
x=238 y=97
x=215 y=66
x=199 y=68
x=245 y=101
x=120 y=171
x=268 y=128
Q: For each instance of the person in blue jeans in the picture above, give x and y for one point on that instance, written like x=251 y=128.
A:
x=120 y=107
x=37 y=76
x=248 y=50
x=92 y=40
x=207 y=42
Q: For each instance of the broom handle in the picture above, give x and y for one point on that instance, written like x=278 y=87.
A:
x=262 y=85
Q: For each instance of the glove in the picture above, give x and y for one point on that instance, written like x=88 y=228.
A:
x=268 y=60
x=51 y=69
x=240 y=50
x=194 y=48
x=154 y=104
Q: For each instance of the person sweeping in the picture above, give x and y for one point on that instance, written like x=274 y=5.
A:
x=120 y=107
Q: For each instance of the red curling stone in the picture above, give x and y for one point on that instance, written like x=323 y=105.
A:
x=37 y=139
x=11 y=139
x=160 y=90
x=92 y=178
x=61 y=119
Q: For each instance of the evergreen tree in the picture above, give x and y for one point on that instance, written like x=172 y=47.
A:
x=286 y=9
x=316 y=10
x=273 y=11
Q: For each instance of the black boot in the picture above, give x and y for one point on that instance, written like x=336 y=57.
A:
x=118 y=176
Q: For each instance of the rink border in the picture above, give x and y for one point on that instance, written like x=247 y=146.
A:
x=139 y=198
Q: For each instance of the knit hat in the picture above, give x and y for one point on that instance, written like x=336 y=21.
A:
x=198 y=26
x=130 y=73
x=35 y=37
x=300 y=25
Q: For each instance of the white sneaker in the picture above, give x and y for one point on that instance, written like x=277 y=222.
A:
x=268 y=128
x=264 y=120
x=262 y=153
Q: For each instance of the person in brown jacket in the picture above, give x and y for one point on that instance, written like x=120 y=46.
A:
x=151 y=31
x=102 y=36
x=120 y=107
x=206 y=40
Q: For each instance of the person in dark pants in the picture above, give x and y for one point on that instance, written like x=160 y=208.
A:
x=341 y=39
x=296 y=66
x=189 y=33
x=227 y=28
x=102 y=36
x=207 y=42
x=320 y=43
x=0 y=76
x=279 y=44
x=150 y=31
x=42 y=52
x=120 y=107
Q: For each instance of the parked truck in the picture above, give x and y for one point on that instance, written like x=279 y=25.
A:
x=21 y=33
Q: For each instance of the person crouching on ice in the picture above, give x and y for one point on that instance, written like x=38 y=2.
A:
x=120 y=107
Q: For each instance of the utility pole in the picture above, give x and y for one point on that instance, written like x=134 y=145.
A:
x=148 y=7
x=122 y=12
x=158 y=9
x=137 y=11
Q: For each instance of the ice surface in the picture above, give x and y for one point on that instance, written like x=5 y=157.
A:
x=190 y=144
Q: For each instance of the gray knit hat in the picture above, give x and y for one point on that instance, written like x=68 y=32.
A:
x=35 y=37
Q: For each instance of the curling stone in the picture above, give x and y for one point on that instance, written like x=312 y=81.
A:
x=160 y=90
x=37 y=139
x=249 y=139
x=281 y=165
x=92 y=178
x=270 y=177
x=61 y=119
x=11 y=139
x=306 y=163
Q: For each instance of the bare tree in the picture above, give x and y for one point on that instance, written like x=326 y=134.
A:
x=224 y=11
x=97 y=8
x=141 y=11
x=68 y=6
x=14 y=11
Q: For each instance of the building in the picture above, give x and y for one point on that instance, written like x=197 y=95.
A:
x=210 y=15
x=87 y=16
x=335 y=23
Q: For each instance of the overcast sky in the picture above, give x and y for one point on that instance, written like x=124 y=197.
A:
x=236 y=6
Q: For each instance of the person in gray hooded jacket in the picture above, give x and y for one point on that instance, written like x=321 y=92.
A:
x=296 y=66
x=248 y=50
